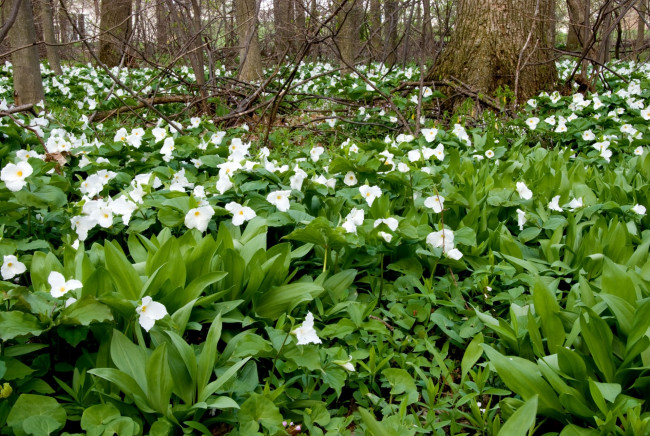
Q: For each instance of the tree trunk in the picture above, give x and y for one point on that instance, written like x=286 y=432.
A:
x=64 y=26
x=490 y=48
x=349 y=19
x=374 y=33
x=575 y=34
x=282 y=23
x=640 y=27
x=390 y=23
x=300 y=26
x=28 y=84
x=250 y=59
x=47 y=19
x=427 y=28
x=116 y=29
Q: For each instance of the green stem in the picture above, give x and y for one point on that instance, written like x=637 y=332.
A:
x=381 y=279
x=325 y=260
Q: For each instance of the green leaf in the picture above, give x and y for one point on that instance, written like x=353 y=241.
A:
x=95 y=418
x=15 y=323
x=473 y=353
x=548 y=309
x=598 y=337
x=282 y=299
x=85 y=311
x=129 y=358
x=38 y=412
x=159 y=379
x=617 y=282
x=261 y=410
x=223 y=378
x=375 y=428
x=522 y=420
x=126 y=385
x=126 y=279
x=401 y=382
x=44 y=197
x=524 y=378
x=208 y=356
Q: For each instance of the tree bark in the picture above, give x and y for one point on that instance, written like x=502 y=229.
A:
x=640 y=27
x=498 y=44
x=47 y=19
x=300 y=26
x=375 y=30
x=390 y=23
x=250 y=59
x=427 y=28
x=115 y=26
x=349 y=19
x=282 y=23
x=575 y=33
x=28 y=83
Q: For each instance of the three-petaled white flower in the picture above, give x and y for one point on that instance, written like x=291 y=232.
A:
x=306 y=333
x=14 y=175
x=637 y=208
x=240 y=214
x=523 y=191
x=435 y=202
x=430 y=134
x=279 y=199
x=11 y=267
x=554 y=204
x=369 y=193
x=60 y=286
x=150 y=311
x=199 y=218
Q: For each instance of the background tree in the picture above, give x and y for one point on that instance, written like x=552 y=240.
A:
x=47 y=21
x=28 y=83
x=250 y=60
x=115 y=27
x=498 y=44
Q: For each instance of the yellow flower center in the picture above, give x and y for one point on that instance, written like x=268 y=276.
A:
x=20 y=173
x=62 y=289
x=197 y=213
x=10 y=264
x=241 y=212
x=144 y=309
x=368 y=194
x=279 y=197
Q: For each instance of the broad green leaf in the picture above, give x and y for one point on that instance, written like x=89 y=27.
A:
x=159 y=379
x=261 y=410
x=223 y=378
x=95 y=418
x=126 y=279
x=401 y=382
x=15 y=323
x=282 y=299
x=129 y=358
x=375 y=428
x=206 y=361
x=598 y=337
x=126 y=385
x=617 y=282
x=472 y=354
x=85 y=311
x=522 y=420
x=548 y=309
x=32 y=407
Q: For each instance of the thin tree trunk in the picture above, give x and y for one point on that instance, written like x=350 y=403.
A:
x=250 y=59
x=375 y=30
x=575 y=35
x=640 y=27
x=349 y=19
x=282 y=23
x=28 y=83
x=390 y=23
x=300 y=27
x=47 y=20
x=427 y=29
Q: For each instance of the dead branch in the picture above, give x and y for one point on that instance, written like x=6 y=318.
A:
x=145 y=102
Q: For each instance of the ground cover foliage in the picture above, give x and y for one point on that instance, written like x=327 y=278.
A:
x=350 y=278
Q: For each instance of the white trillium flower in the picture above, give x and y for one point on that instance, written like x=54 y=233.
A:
x=521 y=218
x=279 y=199
x=353 y=219
x=523 y=191
x=240 y=214
x=350 y=179
x=435 y=202
x=576 y=203
x=316 y=153
x=199 y=218
x=554 y=204
x=306 y=333
x=441 y=239
x=370 y=193
x=14 y=175
x=532 y=122
x=150 y=311
x=60 y=286
x=430 y=134
x=11 y=267
x=637 y=208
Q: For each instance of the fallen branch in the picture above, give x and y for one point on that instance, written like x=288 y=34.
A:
x=145 y=102
x=22 y=108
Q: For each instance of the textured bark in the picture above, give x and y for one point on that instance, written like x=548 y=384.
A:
x=349 y=19
x=300 y=26
x=47 y=20
x=282 y=23
x=28 y=84
x=490 y=43
x=390 y=23
x=427 y=28
x=640 y=26
x=375 y=30
x=116 y=29
x=250 y=60
x=576 y=11
x=64 y=26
